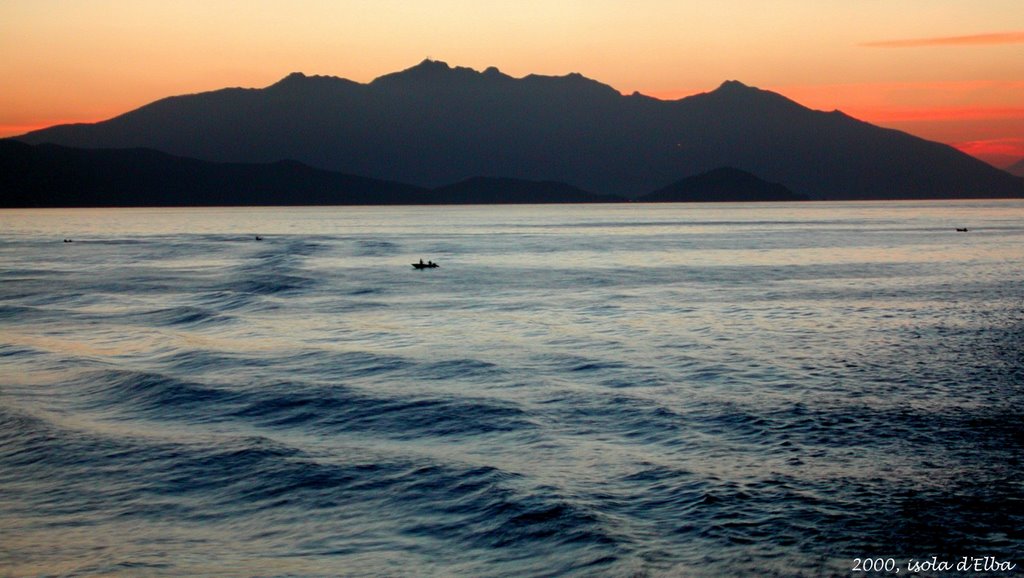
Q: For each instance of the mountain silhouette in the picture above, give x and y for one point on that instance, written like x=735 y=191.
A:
x=1016 y=168
x=434 y=124
x=484 y=190
x=56 y=176
x=724 y=184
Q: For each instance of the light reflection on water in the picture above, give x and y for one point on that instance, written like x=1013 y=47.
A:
x=681 y=389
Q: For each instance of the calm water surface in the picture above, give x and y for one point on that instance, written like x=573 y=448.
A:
x=622 y=390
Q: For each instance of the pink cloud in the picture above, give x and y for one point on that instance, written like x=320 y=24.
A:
x=1004 y=146
x=893 y=114
x=1001 y=152
x=971 y=40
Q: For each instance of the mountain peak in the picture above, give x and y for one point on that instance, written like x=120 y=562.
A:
x=733 y=93
x=432 y=71
x=735 y=88
x=292 y=79
x=572 y=83
x=300 y=81
x=428 y=65
x=733 y=85
x=723 y=184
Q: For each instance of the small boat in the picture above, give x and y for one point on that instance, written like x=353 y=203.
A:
x=427 y=265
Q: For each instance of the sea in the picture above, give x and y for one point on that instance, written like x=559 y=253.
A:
x=790 y=389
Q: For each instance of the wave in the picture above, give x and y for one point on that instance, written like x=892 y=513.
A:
x=245 y=481
x=134 y=394
x=177 y=316
x=307 y=406
x=375 y=248
x=268 y=283
x=340 y=409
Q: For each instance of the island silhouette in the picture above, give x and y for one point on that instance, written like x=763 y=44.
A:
x=545 y=138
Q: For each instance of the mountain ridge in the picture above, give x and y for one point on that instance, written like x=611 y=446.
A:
x=1016 y=168
x=46 y=175
x=433 y=124
x=503 y=190
x=724 y=184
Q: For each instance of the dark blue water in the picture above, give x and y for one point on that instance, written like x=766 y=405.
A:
x=628 y=390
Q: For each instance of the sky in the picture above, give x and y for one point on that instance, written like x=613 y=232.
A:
x=951 y=71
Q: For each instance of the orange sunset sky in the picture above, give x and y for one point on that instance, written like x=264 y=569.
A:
x=951 y=71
